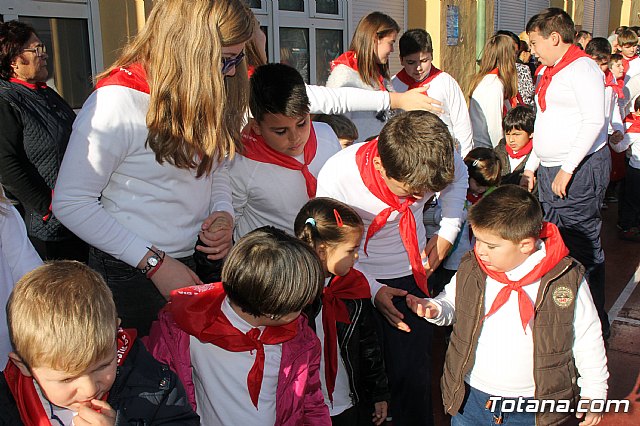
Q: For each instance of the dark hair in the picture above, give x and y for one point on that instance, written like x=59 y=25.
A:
x=627 y=37
x=521 y=117
x=509 y=211
x=13 y=36
x=416 y=149
x=511 y=34
x=271 y=273
x=635 y=29
x=620 y=29
x=599 y=49
x=615 y=57
x=483 y=166
x=523 y=46
x=552 y=20
x=581 y=34
x=318 y=222
x=277 y=89
x=342 y=126
x=415 y=41
x=636 y=104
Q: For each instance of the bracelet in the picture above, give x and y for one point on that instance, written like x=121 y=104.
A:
x=149 y=270
x=155 y=268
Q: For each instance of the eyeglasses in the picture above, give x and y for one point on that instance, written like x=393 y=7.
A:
x=229 y=63
x=39 y=50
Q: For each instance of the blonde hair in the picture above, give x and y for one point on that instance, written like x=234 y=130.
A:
x=61 y=315
x=194 y=110
x=370 y=29
x=499 y=52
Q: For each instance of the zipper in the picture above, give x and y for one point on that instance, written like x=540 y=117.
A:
x=347 y=359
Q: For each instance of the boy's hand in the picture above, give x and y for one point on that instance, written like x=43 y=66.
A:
x=528 y=180
x=616 y=137
x=380 y=415
x=559 y=185
x=217 y=234
x=415 y=99
x=384 y=303
x=172 y=275
x=434 y=253
x=100 y=413
x=421 y=307
x=590 y=418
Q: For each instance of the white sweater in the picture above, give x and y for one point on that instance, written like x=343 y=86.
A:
x=112 y=193
x=573 y=124
x=325 y=100
x=445 y=89
x=268 y=194
x=387 y=257
x=630 y=140
x=504 y=356
x=485 y=109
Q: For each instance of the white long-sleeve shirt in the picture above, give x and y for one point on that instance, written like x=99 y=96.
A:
x=342 y=100
x=268 y=194
x=613 y=116
x=112 y=193
x=445 y=89
x=630 y=140
x=486 y=107
x=573 y=124
x=504 y=355
x=387 y=257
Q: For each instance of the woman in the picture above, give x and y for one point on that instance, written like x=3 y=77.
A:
x=145 y=170
x=493 y=90
x=366 y=65
x=36 y=124
x=524 y=73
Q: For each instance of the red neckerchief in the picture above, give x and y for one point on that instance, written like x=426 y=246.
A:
x=350 y=59
x=256 y=149
x=625 y=63
x=354 y=285
x=250 y=70
x=374 y=183
x=514 y=101
x=197 y=311
x=571 y=55
x=473 y=198
x=635 y=123
x=411 y=83
x=37 y=85
x=610 y=81
x=524 y=151
x=555 y=251
x=24 y=392
x=134 y=77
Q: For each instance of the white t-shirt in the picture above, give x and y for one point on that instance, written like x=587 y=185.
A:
x=485 y=109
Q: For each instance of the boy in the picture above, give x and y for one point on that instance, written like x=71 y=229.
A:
x=343 y=127
x=514 y=149
x=628 y=41
x=72 y=364
x=283 y=152
x=525 y=325
x=388 y=181
x=416 y=56
x=569 y=150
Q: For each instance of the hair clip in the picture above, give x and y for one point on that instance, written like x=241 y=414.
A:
x=311 y=221
x=338 y=218
x=475 y=163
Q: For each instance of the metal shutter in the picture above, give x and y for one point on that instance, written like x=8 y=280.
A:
x=601 y=18
x=589 y=10
x=513 y=15
x=533 y=8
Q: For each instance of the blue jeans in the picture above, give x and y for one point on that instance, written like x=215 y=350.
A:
x=476 y=412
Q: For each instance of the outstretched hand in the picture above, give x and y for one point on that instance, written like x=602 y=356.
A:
x=384 y=303
x=415 y=99
x=422 y=307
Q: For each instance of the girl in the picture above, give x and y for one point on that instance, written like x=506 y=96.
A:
x=352 y=367
x=241 y=347
x=366 y=65
x=493 y=90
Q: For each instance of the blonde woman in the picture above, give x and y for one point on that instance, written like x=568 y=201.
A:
x=493 y=90
x=145 y=169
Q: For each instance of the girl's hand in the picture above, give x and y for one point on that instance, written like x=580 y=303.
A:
x=380 y=415
x=217 y=234
x=415 y=99
x=172 y=275
x=100 y=413
x=422 y=307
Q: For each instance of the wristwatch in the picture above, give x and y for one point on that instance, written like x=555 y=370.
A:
x=152 y=261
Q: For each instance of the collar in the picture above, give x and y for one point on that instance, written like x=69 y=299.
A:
x=529 y=263
x=32 y=86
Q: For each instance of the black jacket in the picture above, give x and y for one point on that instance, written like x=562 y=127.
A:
x=145 y=392
x=361 y=351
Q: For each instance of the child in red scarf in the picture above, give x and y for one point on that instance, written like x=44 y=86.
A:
x=71 y=364
x=514 y=149
x=525 y=326
x=352 y=369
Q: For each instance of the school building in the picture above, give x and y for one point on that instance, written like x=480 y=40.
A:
x=84 y=36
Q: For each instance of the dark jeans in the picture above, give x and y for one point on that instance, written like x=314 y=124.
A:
x=629 y=207
x=407 y=358
x=579 y=220
x=354 y=416
x=475 y=411
x=136 y=297
x=71 y=249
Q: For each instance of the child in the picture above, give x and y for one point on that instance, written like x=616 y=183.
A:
x=514 y=150
x=71 y=364
x=629 y=207
x=345 y=130
x=241 y=347
x=524 y=323
x=628 y=41
x=388 y=182
x=568 y=144
x=351 y=369
x=416 y=56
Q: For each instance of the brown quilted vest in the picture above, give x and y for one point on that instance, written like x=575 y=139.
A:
x=555 y=373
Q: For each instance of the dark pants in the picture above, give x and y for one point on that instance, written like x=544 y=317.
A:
x=629 y=207
x=578 y=218
x=407 y=358
x=136 y=297
x=475 y=411
x=354 y=416
x=71 y=249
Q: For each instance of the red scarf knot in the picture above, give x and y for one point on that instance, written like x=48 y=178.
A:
x=408 y=232
x=544 y=80
x=133 y=76
x=524 y=151
x=610 y=81
x=411 y=83
x=634 y=121
x=350 y=59
x=555 y=252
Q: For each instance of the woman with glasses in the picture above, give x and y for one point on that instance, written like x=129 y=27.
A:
x=145 y=169
x=35 y=125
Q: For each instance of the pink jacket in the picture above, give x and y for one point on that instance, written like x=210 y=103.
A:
x=299 y=399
